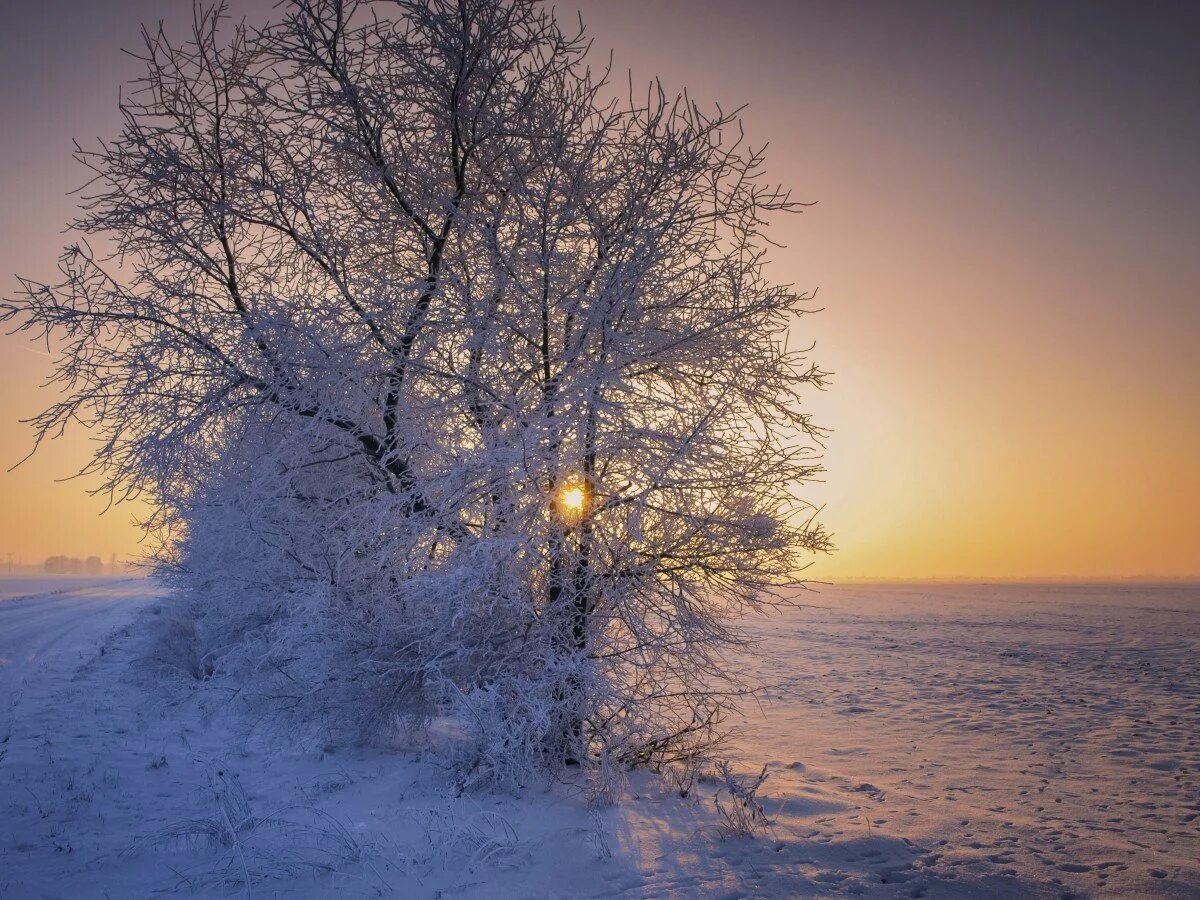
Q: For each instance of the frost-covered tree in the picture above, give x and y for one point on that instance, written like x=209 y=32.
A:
x=453 y=374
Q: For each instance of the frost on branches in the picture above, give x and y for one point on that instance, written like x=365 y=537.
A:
x=451 y=371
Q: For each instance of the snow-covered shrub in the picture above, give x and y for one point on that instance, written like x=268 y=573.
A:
x=741 y=813
x=465 y=836
x=250 y=846
x=490 y=836
x=597 y=837
x=608 y=779
x=682 y=776
x=174 y=646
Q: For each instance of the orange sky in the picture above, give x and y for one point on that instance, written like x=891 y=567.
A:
x=1005 y=246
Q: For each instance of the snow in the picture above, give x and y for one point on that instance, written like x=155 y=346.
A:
x=20 y=587
x=1048 y=736
x=939 y=741
x=54 y=620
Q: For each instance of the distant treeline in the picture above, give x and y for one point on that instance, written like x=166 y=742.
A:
x=73 y=565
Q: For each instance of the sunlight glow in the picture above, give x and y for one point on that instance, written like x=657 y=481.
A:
x=572 y=499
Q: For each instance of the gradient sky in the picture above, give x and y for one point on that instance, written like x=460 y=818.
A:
x=1006 y=243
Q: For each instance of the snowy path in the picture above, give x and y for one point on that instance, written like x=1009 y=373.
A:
x=48 y=627
x=34 y=624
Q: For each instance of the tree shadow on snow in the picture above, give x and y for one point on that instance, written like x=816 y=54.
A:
x=809 y=849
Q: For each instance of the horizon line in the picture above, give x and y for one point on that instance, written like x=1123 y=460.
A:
x=1010 y=579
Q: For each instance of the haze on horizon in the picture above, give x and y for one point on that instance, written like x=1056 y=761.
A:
x=1005 y=245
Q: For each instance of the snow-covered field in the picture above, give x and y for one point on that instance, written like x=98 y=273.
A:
x=919 y=741
x=1027 y=738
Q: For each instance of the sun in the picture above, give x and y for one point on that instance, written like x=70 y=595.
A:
x=572 y=499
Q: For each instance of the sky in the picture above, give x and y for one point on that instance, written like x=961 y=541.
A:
x=1004 y=242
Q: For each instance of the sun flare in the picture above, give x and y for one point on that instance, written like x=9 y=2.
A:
x=572 y=499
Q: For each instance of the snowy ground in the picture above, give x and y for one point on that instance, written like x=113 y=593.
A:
x=1046 y=738
x=938 y=742
x=53 y=625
